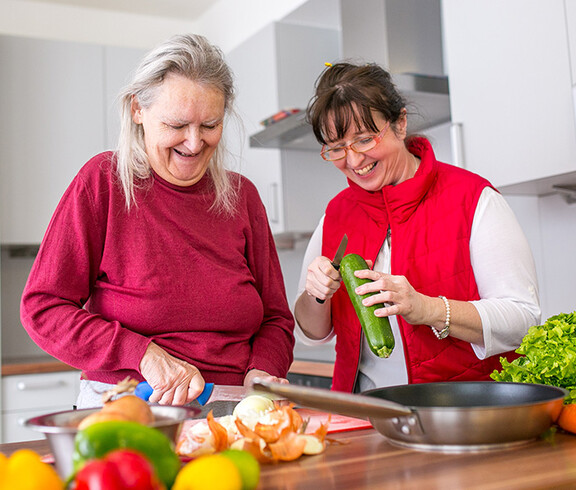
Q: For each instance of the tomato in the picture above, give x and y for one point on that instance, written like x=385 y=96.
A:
x=121 y=469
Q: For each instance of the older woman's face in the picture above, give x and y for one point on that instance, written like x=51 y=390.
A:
x=182 y=128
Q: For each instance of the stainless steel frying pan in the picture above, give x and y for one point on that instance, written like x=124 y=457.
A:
x=448 y=417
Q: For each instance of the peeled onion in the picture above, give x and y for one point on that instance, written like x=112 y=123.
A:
x=252 y=407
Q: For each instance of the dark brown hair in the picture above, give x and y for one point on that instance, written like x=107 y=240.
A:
x=347 y=94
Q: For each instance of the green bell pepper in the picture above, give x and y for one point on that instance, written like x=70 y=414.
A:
x=97 y=440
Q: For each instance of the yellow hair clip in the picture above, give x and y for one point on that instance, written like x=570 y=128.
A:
x=328 y=64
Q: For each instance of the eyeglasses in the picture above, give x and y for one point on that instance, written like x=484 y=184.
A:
x=360 y=145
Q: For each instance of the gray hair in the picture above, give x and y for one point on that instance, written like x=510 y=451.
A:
x=195 y=58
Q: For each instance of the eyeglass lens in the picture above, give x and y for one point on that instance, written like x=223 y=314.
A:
x=359 y=146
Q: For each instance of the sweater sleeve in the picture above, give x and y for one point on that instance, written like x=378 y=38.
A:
x=273 y=344
x=60 y=283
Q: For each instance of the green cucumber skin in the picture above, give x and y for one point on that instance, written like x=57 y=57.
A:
x=376 y=329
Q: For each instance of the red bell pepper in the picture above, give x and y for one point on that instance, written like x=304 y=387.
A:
x=121 y=469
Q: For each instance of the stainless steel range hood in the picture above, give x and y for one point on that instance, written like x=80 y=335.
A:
x=403 y=35
x=428 y=105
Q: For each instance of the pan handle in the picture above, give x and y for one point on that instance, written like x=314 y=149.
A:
x=359 y=406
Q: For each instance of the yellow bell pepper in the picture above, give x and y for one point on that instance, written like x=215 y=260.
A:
x=24 y=470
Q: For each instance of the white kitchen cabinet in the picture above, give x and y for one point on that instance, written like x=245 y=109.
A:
x=56 y=112
x=275 y=70
x=571 y=25
x=511 y=90
x=51 y=122
x=29 y=395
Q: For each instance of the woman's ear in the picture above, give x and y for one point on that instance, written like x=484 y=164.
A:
x=403 y=123
x=136 y=111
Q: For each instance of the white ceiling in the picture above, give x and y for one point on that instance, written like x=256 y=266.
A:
x=181 y=9
x=322 y=13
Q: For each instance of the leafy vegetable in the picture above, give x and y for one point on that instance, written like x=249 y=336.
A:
x=548 y=356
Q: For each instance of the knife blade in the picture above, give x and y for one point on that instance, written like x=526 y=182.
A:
x=210 y=393
x=338 y=258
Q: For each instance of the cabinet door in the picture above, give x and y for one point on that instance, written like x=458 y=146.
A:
x=256 y=83
x=37 y=391
x=51 y=123
x=571 y=23
x=289 y=59
x=510 y=87
x=30 y=395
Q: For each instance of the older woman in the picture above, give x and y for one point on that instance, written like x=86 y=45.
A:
x=159 y=263
x=449 y=261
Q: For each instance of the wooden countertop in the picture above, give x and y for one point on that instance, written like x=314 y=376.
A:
x=34 y=366
x=363 y=459
x=49 y=365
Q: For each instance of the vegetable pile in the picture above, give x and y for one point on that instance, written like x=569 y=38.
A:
x=270 y=432
x=548 y=356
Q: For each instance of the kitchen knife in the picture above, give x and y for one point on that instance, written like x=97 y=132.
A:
x=338 y=258
x=210 y=393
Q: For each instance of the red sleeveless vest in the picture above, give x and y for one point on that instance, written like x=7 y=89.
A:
x=430 y=218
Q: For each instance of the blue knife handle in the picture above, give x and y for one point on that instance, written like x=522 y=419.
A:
x=144 y=390
x=205 y=395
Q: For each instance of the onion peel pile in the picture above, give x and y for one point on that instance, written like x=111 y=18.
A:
x=276 y=435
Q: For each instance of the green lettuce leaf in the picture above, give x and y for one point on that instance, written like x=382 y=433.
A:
x=548 y=356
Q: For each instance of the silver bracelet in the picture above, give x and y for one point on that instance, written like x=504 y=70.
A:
x=442 y=334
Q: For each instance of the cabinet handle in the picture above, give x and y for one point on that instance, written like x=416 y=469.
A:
x=457 y=143
x=274 y=203
x=23 y=386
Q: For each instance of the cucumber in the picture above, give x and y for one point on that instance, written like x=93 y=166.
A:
x=376 y=329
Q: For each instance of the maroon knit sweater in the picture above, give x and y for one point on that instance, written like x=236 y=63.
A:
x=206 y=288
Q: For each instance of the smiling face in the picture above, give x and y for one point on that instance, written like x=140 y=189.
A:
x=388 y=163
x=182 y=128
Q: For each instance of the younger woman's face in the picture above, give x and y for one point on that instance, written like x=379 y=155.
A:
x=182 y=128
x=388 y=163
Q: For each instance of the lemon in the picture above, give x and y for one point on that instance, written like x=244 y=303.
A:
x=210 y=472
x=247 y=465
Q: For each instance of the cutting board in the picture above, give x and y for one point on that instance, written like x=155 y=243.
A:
x=338 y=423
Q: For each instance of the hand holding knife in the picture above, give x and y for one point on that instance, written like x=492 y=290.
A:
x=211 y=392
x=338 y=258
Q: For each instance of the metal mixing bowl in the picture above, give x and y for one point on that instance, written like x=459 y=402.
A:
x=60 y=429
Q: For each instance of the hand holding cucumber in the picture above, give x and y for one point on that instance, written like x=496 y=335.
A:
x=376 y=329
x=389 y=295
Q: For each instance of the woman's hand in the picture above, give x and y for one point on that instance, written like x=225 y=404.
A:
x=174 y=381
x=398 y=296
x=256 y=373
x=322 y=280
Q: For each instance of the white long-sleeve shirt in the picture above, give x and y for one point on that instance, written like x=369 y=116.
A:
x=507 y=283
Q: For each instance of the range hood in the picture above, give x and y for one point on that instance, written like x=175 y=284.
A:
x=428 y=106
x=405 y=36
